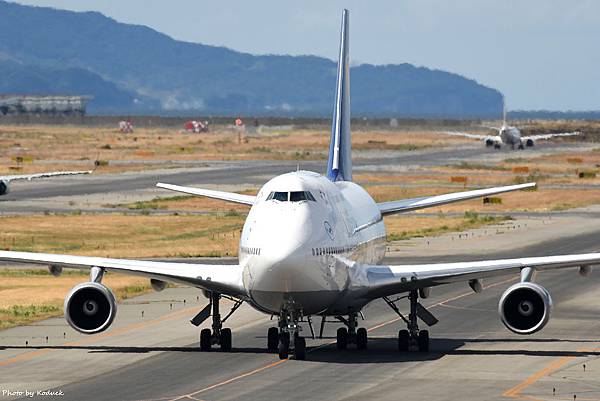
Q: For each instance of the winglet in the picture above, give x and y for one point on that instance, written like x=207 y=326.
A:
x=339 y=165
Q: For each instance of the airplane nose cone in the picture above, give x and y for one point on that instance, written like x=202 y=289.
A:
x=285 y=270
x=286 y=246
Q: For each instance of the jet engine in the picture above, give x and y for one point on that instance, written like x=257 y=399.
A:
x=529 y=143
x=525 y=307
x=90 y=308
x=4 y=187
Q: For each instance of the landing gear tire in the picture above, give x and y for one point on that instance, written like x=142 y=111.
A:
x=284 y=346
x=205 y=340
x=403 y=340
x=342 y=338
x=300 y=348
x=226 y=340
x=272 y=339
x=423 y=341
x=361 y=339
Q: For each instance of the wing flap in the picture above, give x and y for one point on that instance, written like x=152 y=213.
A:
x=407 y=205
x=387 y=280
x=209 y=193
x=225 y=279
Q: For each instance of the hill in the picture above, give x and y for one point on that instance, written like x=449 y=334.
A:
x=132 y=61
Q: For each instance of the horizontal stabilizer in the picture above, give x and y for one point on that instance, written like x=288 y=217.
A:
x=408 y=205
x=209 y=193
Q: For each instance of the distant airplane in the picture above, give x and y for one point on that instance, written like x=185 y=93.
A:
x=6 y=179
x=310 y=246
x=508 y=135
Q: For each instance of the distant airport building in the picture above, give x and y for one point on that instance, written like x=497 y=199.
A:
x=43 y=104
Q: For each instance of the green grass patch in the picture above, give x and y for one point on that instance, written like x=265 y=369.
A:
x=38 y=272
x=533 y=177
x=261 y=149
x=19 y=315
x=516 y=160
x=470 y=221
x=477 y=166
x=158 y=203
x=214 y=233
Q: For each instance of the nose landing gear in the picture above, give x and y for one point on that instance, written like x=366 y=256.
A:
x=287 y=339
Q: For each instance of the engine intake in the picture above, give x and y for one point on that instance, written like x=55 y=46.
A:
x=4 y=189
x=525 y=308
x=90 y=308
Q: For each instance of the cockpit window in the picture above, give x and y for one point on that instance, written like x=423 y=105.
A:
x=294 y=196
x=280 y=196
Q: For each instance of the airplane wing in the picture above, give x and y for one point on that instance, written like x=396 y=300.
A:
x=226 y=196
x=408 y=205
x=225 y=279
x=387 y=280
x=548 y=136
x=8 y=178
x=465 y=135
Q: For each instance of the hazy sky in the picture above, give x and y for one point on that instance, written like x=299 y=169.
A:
x=542 y=54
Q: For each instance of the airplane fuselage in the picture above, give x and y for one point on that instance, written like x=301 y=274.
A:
x=510 y=135
x=295 y=236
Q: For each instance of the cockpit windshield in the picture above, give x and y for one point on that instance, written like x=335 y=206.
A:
x=294 y=196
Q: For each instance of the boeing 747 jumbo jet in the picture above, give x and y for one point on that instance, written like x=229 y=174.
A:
x=509 y=135
x=310 y=246
x=6 y=179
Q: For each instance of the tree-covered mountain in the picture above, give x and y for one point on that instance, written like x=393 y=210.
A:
x=133 y=68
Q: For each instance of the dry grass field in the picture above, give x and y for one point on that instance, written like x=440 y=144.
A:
x=42 y=148
x=161 y=236
x=127 y=236
x=26 y=296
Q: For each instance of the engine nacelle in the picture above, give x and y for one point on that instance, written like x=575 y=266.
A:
x=529 y=143
x=90 y=308
x=525 y=307
x=158 y=285
x=4 y=189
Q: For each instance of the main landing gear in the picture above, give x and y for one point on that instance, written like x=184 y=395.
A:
x=218 y=335
x=351 y=335
x=413 y=339
x=287 y=340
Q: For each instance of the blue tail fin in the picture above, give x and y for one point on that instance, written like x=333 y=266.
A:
x=339 y=165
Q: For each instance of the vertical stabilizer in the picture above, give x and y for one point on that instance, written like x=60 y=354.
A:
x=339 y=165
x=503 y=111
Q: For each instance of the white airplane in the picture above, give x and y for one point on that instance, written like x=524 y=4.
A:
x=509 y=135
x=310 y=246
x=6 y=179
